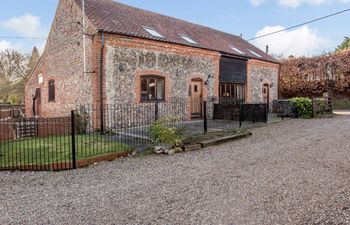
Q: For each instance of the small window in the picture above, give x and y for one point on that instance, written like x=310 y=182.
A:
x=152 y=88
x=153 y=32
x=254 y=53
x=188 y=39
x=231 y=92
x=51 y=91
x=40 y=79
x=236 y=49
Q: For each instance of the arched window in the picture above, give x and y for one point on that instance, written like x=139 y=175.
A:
x=51 y=90
x=152 y=88
x=39 y=79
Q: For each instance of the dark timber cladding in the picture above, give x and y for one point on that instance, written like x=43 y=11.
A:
x=233 y=70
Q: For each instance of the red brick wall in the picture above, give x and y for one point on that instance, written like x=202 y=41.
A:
x=54 y=127
x=62 y=61
x=6 y=131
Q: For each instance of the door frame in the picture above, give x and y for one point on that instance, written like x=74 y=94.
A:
x=37 y=102
x=191 y=87
x=267 y=86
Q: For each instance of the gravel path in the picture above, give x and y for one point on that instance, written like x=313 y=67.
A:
x=295 y=172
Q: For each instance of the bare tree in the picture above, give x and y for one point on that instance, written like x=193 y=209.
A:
x=13 y=69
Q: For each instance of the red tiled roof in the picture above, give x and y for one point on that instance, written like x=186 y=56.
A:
x=118 y=18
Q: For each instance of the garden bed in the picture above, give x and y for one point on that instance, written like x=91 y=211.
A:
x=203 y=138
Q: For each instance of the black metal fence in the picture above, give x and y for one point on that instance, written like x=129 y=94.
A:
x=91 y=134
x=251 y=113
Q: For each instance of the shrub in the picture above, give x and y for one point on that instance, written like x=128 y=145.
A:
x=303 y=107
x=321 y=106
x=164 y=131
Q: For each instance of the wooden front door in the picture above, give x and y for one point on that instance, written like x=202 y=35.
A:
x=266 y=94
x=196 y=98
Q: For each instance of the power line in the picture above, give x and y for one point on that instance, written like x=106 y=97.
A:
x=32 y=38
x=299 y=25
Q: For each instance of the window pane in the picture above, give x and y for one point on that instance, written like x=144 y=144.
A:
x=160 y=89
x=239 y=92
x=51 y=91
x=144 y=94
x=152 y=89
x=232 y=87
x=143 y=85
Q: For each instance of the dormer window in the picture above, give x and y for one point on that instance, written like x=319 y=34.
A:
x=254 y=53
x=236 y=50
x=188 y=39
x=153 y=32
x=40 y=79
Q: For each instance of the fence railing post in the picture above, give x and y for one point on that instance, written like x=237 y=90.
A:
x=313 y=107
x=240 y=114
x=156 y=110
x=74 y=160
x=205 y=119
x=254 y=114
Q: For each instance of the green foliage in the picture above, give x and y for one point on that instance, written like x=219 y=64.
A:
x=321 y=106
x=165 y=131
x=303 y=106
x=344 y=45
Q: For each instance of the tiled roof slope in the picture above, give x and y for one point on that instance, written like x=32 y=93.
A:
x=114 y=17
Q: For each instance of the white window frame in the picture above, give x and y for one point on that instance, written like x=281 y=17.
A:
x=153 y=32
x=236 y=50
x=188 y=39
x=40 y=79
x=254 y=53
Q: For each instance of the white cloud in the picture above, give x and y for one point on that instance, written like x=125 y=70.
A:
x=256 y=2
x=8 y=45
x=297 y=3
x=299 y=42
x=26 y=25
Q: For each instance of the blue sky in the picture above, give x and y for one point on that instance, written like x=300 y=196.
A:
x=247 y=17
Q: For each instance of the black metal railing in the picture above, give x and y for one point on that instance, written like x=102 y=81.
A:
x=244 y=113
x=83 y=137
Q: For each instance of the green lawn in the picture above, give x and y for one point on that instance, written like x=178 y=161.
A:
x=57 y=149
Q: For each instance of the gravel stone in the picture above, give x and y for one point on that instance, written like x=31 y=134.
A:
x=294 y=172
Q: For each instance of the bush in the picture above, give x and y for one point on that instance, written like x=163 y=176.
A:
x=164 y=131
x=303 y=107
x=321 y=106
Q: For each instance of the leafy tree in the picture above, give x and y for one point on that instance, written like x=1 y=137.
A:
x=344 y=45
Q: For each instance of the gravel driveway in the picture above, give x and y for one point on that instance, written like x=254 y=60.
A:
x=295 y=172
